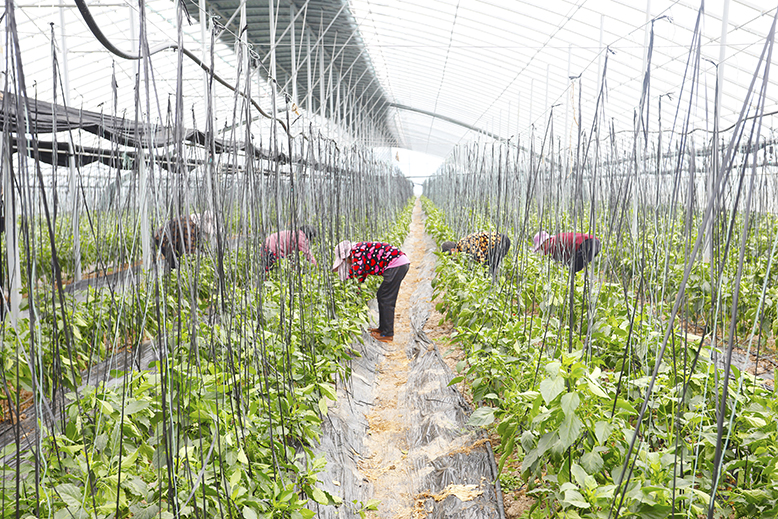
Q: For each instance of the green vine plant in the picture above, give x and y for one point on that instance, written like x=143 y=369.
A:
x=565 y=405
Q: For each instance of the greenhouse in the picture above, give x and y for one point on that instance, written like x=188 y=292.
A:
x=395 y=259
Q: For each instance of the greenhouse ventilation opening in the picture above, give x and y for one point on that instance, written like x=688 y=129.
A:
x=163 y=356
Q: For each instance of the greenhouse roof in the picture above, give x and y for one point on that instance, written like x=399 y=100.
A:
x=434 y=74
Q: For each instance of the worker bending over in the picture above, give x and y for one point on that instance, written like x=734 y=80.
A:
x=283 y=243
x=183 y=235
x=362 y=259
x=488 y=248
x=568 y=247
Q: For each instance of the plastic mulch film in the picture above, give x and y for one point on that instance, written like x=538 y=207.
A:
x=343 y=431
x=438 y=466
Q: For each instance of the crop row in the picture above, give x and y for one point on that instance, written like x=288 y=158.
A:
x=594 y=416
x=220 y=425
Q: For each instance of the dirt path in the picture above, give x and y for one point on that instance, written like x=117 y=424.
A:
x=388 y=467
x=398 y=433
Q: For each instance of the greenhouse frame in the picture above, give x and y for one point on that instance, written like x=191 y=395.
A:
x=402 y=259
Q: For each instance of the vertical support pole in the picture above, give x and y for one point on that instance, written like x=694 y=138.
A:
x=145 y=228
x=330 y=85
x=322 y=92
x=293 y=51
x=203 y=40
x=338 y=118
x=274 y=100
x=598 y=80
x=636 y=181
x=531 y=102
x=569 y=83
x=309 y=68
x=714 y=173
x=243 y=39
x=541 y=186
x=143 y=182
x=72 y=178
x=11 y=236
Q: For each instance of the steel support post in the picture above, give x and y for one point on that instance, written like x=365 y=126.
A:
x=72 y=177
x=11 y=236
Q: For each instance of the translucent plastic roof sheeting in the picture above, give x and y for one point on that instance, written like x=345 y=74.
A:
x=499 y=66
x=445 y=67
x=90 y=67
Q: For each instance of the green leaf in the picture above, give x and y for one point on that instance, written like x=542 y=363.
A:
x=105 y=407
x=327 y=390
x=456 y=380
x=551 y=387
x=655 y=511
x=545 y=443
x=248 y=513
x=592 y=462
x=372 y=504
x=553 y=368
x=570 y=403
x=135 y=406
x=320 y=497
x=623 y=404
x=130 y=459
x=323 y=406
x=596 y=389
x=569 y=430
x=527 y=440
x=574 y=498
x=482 y=417
x=602 y=430
x=148 y=512
x=242 y=457
x=306 y=514
x=70 y=494
x=235 y=478
x=579 y=474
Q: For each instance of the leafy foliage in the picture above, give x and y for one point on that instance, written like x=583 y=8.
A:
x=565 y=402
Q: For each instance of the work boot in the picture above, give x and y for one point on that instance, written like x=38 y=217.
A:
x=380 y=337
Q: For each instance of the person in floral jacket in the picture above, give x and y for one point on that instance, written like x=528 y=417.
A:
x=488 y=248
x=184 y=235
x=367 y=258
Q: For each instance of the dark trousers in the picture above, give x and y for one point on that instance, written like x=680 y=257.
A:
x=586 y=252
x=387 y=298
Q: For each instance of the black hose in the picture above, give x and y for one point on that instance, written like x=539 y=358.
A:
x=92 y=24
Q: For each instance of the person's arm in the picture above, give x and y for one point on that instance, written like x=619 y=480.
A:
x=304 y=247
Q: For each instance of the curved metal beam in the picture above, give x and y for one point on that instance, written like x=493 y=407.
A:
x=444 y=118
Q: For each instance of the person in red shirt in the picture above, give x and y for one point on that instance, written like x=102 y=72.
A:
x=568 y=247
x=362 y=259
x=280 y=244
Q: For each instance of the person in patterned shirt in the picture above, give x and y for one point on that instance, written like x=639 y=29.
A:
x=574 y=248
x=484 y=247
x=367 y=258
x=183 y=235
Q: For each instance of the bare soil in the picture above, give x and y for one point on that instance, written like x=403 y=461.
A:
x=389 y=469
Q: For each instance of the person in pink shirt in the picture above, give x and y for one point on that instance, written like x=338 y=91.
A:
x=568 y=247
x=362 y=259
x=280 y=244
